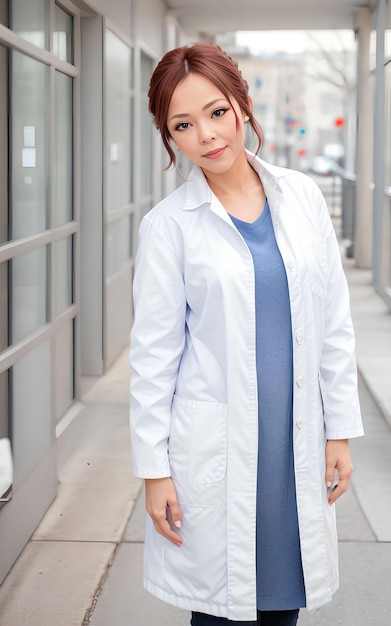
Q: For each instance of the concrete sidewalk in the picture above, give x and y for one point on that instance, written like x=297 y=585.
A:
x=61 y=570
x=365 y=556
x=83 y=564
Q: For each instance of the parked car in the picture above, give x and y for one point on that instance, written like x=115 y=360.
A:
x=322 y=165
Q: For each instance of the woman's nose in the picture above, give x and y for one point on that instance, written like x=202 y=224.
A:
x=207 y=134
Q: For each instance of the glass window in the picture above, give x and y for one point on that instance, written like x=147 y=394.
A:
x=387 y=124
x=119 y=104
x=29 y=145
x=386 y=245
x=64 y=367
x=146 y=127
x=387 y=82
x=372 y=50
x=119 y=238
x=131 y=228
x=31 y=410
x=388 y=43
x=63 y=35
x=3 y=306
x=3 y=146
x=146 y=151
x=387 y=40
x=386 y=225
x=30 y=20
x=64 y=149
x=4 y=414
x=4 y=13
x=28 y=293
x=63 y=283
x=146 y=72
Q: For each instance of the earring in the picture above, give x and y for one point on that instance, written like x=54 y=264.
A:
x=246 y=118
x=177 y=148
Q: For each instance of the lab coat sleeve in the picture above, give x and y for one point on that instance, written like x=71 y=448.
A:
x=157 y=341
x=338 y=371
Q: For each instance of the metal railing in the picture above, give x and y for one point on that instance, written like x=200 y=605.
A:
x=348 y=190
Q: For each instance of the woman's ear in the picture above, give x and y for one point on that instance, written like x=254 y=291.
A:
x=250 y=107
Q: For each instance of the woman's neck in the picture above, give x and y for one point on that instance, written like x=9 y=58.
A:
x=236 y=180
x=239 y=190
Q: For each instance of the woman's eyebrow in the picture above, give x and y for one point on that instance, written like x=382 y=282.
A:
x=206 y=106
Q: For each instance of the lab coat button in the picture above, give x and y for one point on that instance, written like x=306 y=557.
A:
x=290 y=265
x=299 y=381
x=299 y=337
x=300 y=422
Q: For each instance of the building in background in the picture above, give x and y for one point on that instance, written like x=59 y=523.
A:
x=304 y=100
x=80 y=164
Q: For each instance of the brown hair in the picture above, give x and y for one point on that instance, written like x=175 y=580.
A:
x=208 y=60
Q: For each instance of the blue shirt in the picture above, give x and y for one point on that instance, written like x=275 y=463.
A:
x=280 y=584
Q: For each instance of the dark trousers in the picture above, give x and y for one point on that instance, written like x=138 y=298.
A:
x=265 y=618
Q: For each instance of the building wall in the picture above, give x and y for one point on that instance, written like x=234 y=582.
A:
x=40 y=232
x=84 y=169
x=381 y=260
x=150 y=25
x=119 y=12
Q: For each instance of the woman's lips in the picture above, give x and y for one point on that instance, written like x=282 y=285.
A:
x=214 y=154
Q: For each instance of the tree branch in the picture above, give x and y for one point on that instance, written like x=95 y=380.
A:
x=331 y=61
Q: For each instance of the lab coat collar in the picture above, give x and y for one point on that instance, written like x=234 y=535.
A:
x=198 y=191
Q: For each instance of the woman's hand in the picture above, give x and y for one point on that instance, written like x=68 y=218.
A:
x=338 y=458
x=162 y=505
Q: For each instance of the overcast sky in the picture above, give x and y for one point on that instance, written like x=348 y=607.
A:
x=295 y=41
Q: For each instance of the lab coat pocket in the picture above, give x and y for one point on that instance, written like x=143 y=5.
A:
x=316 y=257
x=198 y=569
x=198 y=441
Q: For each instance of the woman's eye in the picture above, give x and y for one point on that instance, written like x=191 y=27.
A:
x=182 y=126
x=218 y=112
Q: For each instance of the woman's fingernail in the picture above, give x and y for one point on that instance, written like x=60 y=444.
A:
x=178 y=523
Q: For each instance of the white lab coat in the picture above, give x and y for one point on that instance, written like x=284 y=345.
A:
x=194 y=387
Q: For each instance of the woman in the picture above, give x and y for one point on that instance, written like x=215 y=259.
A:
x=244 y=390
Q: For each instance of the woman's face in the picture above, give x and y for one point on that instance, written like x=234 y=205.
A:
x=203 y=125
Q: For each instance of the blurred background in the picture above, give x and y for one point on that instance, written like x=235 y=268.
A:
x=80 y=164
